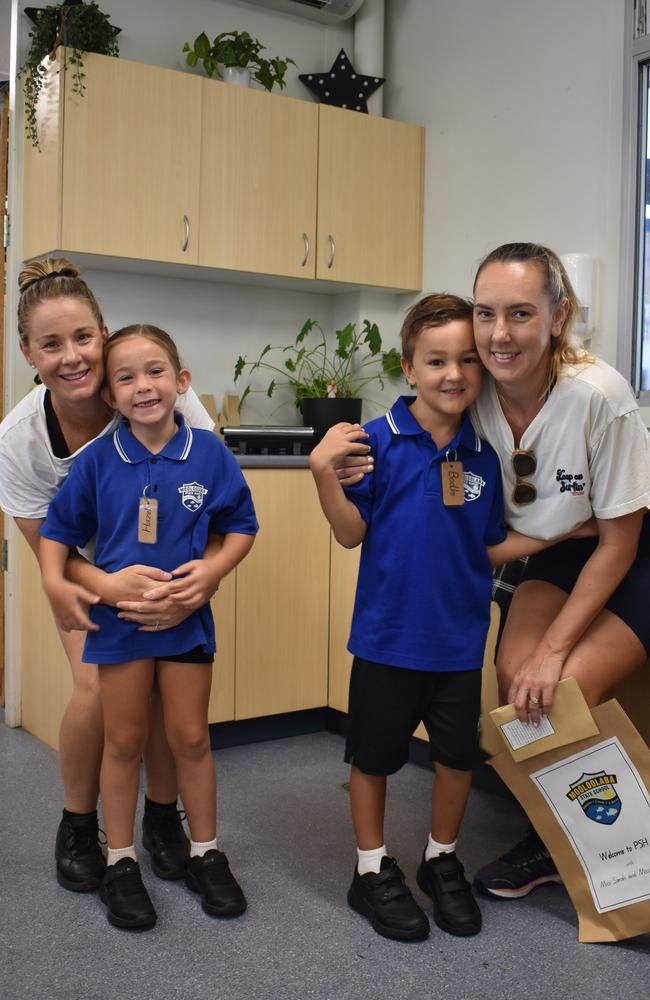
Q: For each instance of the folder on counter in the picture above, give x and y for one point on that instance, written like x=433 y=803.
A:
x=569 y=720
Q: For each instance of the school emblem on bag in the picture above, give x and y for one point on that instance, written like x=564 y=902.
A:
x=597 y=797
x=473 y=485
x=192 y=495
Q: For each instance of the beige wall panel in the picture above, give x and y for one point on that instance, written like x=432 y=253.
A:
x=222 y=696
x=283 y=599
x=131 y=161
x=370 y=199
x=42 y=171
x=46 y=674
x=258 y=181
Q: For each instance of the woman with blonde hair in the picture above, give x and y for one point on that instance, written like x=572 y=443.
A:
x=572 y=445
x=62 y=334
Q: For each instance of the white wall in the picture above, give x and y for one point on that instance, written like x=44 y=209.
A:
x=522 y=102
x=522 y=105
x=214 y=322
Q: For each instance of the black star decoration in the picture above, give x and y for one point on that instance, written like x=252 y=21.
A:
x=341 y=87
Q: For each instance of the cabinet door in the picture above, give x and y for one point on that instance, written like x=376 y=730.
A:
x=131 y=157
x=370 y=177
x=343 y=584
x=258 y=181
x=282 y=599
x=222 y=696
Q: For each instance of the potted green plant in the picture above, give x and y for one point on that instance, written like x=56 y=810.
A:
x=326 y=381
x=81 y=27
x=239 y=51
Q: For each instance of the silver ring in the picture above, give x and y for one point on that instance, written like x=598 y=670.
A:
x=533 y=701
x=157 y=626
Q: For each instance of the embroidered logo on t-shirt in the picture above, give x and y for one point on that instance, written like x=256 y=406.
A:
x=192 y=495
x=473 y=486
x=570 y=482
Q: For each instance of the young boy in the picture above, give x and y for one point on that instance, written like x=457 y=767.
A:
x=426 y=517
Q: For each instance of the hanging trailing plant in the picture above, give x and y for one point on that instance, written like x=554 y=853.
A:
x=80 y=27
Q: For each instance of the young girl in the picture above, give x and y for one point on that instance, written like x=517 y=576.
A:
x=152 y=492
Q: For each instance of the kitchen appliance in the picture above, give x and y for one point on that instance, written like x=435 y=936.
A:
x=254 y=439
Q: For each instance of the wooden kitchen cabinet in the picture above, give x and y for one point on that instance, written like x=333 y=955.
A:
x=344 y=567
x=155 y=164
x=118 y=174
x=370 y=200
x=283 y=599
x=258 y=182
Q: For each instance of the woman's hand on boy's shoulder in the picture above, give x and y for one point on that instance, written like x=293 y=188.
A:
x=343 y=443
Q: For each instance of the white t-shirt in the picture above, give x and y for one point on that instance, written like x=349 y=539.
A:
x=592 y=450
x=30 y=475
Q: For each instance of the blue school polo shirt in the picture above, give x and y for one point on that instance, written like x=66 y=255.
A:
x=199 y=488
x=424 y=586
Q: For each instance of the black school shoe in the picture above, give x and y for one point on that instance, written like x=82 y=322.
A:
x=210 y=875
x=165 y=839
x=126 y=898
x=80 y=862
x=454 y=908
x=386 y=900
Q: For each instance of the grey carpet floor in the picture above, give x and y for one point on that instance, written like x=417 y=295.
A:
x=285 y=825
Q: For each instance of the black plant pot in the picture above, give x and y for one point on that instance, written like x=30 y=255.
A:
x=321 y=414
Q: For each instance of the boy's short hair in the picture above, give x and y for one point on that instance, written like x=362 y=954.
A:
x=433 y=310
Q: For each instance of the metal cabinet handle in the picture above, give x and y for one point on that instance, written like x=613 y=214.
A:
x=186 y=227
x=306 y=257
x=332 y=251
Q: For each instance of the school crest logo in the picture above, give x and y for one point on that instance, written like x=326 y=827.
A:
x=597 y=797
x=473 y=485
x=192 y=495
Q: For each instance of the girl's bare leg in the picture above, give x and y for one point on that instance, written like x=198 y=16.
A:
x=125 y=689
x=185 y=692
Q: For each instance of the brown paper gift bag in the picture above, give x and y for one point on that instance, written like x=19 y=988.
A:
x=575 y=804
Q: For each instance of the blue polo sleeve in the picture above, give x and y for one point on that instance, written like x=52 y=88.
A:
x=495 y=528
x=234 y=510
x=72 y=515
x=362 y=494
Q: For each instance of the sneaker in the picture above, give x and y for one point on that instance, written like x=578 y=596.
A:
x=80 y=862
x=210 y=875
x=385 y=899
x=518 y=872
x=126 y=898
x=454 y=908
x=164 y=837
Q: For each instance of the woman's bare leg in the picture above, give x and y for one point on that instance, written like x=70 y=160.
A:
x=81 y=737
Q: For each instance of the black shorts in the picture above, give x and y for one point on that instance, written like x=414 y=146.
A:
x=196 y=655
x=388 y=703
x=562 y=564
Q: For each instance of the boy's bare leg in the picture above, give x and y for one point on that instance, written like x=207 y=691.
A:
x=441 y=875
x=368 y=804
x=449 y=796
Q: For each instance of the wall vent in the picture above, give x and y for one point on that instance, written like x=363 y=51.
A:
x=325 y=11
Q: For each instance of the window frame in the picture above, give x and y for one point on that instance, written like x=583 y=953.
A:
x=635 y=137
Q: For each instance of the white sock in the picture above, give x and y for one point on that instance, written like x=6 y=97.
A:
x=434 y=849
x=198 y=848
x=370 y=861
x=115 y=855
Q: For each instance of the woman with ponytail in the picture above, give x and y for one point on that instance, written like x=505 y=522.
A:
x=62 y=334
